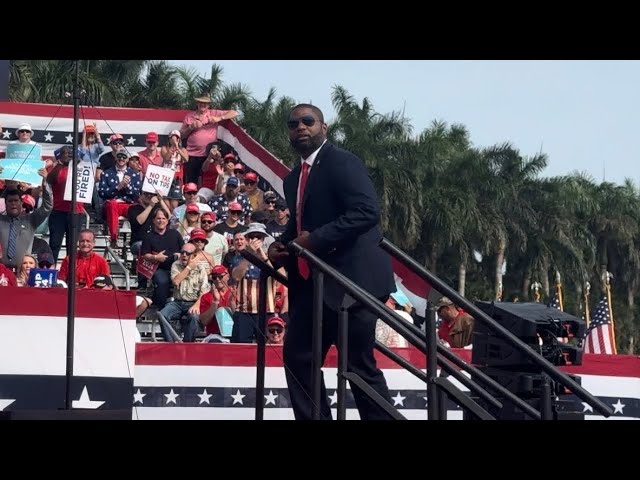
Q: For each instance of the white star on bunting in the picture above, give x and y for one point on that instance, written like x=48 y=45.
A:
x=131 y=141
x=69 y=138
x=271 y=398
x=85 y=401
x=334 y=398
x=5 y=402
x=204 y=397
x=138 y=396
x=48 y=137
x=587 y=407
x=617 y=407
x=237 y=398
x=171 y=397
x=398 y=400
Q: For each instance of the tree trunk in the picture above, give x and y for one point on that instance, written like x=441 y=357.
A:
x=434 y=262
x=502 y=247
x=526 y=284
x=462 y=277
x=545 y=278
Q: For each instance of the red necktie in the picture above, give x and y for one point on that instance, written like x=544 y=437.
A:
x=303 y=266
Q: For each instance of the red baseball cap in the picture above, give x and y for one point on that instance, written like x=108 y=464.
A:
x=276 y=321
x=251 y=177
x=198 y=234
x=29 y=200
x=210 y=215
x=235 y=206
x=151 y=137
x=190 y=187
x=229 y=156
x=114 y=137
x=192 y=207
x=219 y=270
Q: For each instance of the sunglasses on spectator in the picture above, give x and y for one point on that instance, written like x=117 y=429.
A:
x=235 y=212
x=218 y=277
x=121 y=157
x=281 y=209
x=276 y=330
x=307 y=121
x=249 y=182
x=270 y=202
x=23 y=131
x=117 y=143
x=190 y=193
x=204 y=222
x=185 y=252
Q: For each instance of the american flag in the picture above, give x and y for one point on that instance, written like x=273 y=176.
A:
x=599 y=337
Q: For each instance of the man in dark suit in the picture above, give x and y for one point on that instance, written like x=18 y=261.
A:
x=337 y=219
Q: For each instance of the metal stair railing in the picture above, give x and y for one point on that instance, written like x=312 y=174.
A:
x=415 y=336
x=549 y=369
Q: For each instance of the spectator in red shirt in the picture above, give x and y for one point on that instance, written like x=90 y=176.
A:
x=88 y=263
x=7 y=278
x=220 y=296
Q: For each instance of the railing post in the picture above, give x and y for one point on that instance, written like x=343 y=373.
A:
x=442 y=399
x=316 y=347
x=261 y=349
x=546 y=408
x=432 y=363
x=343 y=352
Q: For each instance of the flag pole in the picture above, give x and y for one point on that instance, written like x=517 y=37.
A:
x=559 y=290
x=608 y=277
x=587 y=288
x=71 y=248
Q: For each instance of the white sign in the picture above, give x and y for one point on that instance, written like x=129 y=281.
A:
x=158 y=180
x=85 y=183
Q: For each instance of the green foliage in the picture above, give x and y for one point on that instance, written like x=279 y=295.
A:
x=443 y=199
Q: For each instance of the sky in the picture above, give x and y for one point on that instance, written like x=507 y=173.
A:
x=584 y=115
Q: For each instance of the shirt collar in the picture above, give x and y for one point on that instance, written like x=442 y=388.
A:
x=312 y=158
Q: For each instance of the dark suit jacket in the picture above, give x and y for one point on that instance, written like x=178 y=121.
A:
x=341 y=211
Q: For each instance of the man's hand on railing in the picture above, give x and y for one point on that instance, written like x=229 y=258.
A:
x=303 y=240
x=278 y=253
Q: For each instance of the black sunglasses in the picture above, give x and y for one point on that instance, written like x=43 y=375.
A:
x=183 y=252
x=276 y=330
x=307 y=121
x=121 y=157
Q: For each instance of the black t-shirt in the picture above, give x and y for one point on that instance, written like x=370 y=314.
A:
x=275 y=229
x=227 y=231
x=171 y=242
x=106 y=161
x=138 y=231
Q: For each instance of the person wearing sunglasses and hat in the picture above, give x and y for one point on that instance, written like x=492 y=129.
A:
x=335 y=215
x=200 y=128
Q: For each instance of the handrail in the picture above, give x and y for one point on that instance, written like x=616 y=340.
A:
x=510 y=338
x=109 y=250
x=410 y=332
x=418 y=339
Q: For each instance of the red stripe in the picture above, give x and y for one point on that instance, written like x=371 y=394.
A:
x=52 y=302
x=108 y=113
x=410 y=280
x=242 y=355
x=253 y=147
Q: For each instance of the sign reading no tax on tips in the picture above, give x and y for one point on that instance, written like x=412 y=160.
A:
x=158 y=180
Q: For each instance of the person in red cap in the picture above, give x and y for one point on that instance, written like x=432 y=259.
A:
x=91 y=146
x=199 y=238
x=253 y=193
x=174 y=155
x=191 y=220
x=218 y=245
x=228 y=164
x=150 y=155
x=231 y=224
x=275 y=331
x=200 y=128
x=212 y=167
x=190 y=192
x=220 y=296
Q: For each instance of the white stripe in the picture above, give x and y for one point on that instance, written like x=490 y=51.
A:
x=606 y=336
x=595 y=341
x=603 y=386
x=37 y=346
x=239 y=413
x=599 y=417
x=251 y=160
